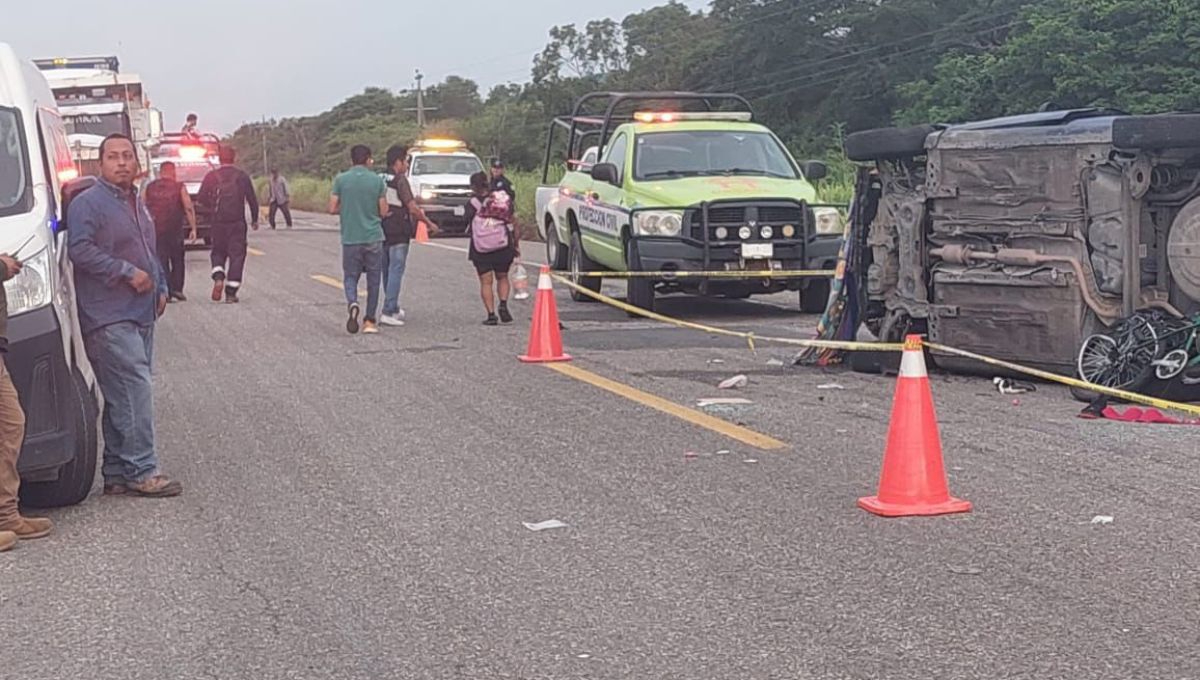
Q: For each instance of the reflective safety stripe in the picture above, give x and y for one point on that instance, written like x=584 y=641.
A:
x=544 y=282
x=912 y=365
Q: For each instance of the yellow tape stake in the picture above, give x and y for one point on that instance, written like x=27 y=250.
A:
x=750 y=338
x=723 y=274
x=1071 y=382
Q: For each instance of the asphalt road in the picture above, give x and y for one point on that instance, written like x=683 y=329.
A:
x=355 y=509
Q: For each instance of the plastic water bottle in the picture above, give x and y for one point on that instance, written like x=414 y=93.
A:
x=520 y=282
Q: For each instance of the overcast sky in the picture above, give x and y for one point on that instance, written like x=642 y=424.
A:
x=237 y=60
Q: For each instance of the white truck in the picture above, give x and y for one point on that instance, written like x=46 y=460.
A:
x=96 y=100
x=439 y=173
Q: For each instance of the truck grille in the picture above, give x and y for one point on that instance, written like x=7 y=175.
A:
x=734 y=217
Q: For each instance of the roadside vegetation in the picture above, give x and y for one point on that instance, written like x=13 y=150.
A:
x=814 y=70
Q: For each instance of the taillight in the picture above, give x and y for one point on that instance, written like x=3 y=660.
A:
x=191 y=153
x=67 y=174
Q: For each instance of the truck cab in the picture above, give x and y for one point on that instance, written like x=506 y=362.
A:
x=46 y=358
x=439 y=173
x=682 y=182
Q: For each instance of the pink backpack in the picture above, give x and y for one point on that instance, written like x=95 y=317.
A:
x=489 y=229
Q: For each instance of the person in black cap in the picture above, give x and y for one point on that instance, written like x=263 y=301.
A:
x=502 y=183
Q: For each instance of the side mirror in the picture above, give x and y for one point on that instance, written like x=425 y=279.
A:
x=606 y=172
x=69 y=191
x=814 y=170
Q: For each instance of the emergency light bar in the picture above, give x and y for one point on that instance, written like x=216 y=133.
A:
x=440 y=144
x=192 y=153
x=673 y=116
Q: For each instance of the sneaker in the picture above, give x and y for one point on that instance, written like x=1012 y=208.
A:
x=352 y=322
x=231 y=298
x=179 y=297
x=7 y=540
x=218 y=289
x=27 y=528
x=505 y=317
x=391 y=320
x=491 y=320
x=369 y=327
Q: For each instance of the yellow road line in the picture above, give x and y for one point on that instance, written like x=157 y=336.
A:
x=334 y=283
x=721 y=427
x=255 y=251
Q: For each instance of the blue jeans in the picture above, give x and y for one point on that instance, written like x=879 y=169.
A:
x=357 y=260
x=395 y=258
x=121 y=355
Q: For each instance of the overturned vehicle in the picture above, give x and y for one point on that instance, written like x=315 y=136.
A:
x=1065 y=240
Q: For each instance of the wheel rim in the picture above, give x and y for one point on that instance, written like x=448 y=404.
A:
x=1171 y=365
x=573 y=256
x=551 y=246
x=1121 y=358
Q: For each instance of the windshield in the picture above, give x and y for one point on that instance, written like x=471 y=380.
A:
x=14 y=169
x=101 y=126
x=446 y=165
x=665 y=155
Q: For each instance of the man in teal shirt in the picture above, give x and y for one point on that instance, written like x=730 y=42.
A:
x=360 y=201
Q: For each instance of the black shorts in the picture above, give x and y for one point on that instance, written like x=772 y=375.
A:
x=493 y=263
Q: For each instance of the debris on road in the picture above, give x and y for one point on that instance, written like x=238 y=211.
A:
x=716 y=361
x=1008 y=386
x=830 y=386
x=750 y=461
x=1102 y=519
x=774 y=362
x=690 y=455
x=724 y=452
x=964 y=571
x=718 y=401
x=543 y=526
x=735 y=383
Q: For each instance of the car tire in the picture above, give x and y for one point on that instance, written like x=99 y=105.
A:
x=1172 y=130
x=76 y=477
x=887 y=143
x=814 y=296
x=580 y=262
x=556 y=254
x=639 y=292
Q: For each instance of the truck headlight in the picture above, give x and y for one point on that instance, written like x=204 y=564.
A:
x=829 y=221
x=427 y=194
x=31 y=289
x=658 y=223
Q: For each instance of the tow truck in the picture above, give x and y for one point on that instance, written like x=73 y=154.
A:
x=682 y=182
x=194 y=157
x=439 y=173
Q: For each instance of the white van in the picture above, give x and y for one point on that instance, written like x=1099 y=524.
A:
x=45 y=353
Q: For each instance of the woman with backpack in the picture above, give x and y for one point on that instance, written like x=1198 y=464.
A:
x=494 y=245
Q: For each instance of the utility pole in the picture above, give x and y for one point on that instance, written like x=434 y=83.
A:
x=266 y=170
x=421 y=108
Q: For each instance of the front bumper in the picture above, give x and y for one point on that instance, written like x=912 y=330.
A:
x=447 y=209
x=42 y=376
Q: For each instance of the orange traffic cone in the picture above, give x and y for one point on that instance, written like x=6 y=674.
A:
x=545 y=340
x=422 y=232
x=913 y=481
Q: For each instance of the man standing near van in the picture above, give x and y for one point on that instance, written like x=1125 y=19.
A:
x=169 y=203
x=360 y=201
x=227 y=191
x=399 y=228
x=12 y=432
x=121 y=292
x=279 y=197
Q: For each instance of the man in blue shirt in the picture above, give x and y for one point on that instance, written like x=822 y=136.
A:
x=121 y=291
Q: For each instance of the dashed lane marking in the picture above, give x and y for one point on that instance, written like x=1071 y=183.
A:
x=721 y=427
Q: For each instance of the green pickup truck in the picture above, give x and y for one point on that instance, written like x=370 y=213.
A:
x=682 y=182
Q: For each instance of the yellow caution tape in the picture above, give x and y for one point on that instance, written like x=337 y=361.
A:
x=752 y=274
x=850 y=346
x=750 y=338
x=1071 y=382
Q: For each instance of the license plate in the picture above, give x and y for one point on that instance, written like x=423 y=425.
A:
x=758 y=251
x=459 y=211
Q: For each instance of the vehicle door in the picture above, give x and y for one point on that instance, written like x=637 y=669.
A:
x=607 y=213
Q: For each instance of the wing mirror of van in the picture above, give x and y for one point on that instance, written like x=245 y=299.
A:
x=814 y=170
x=69 y=191
x=606 y=172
